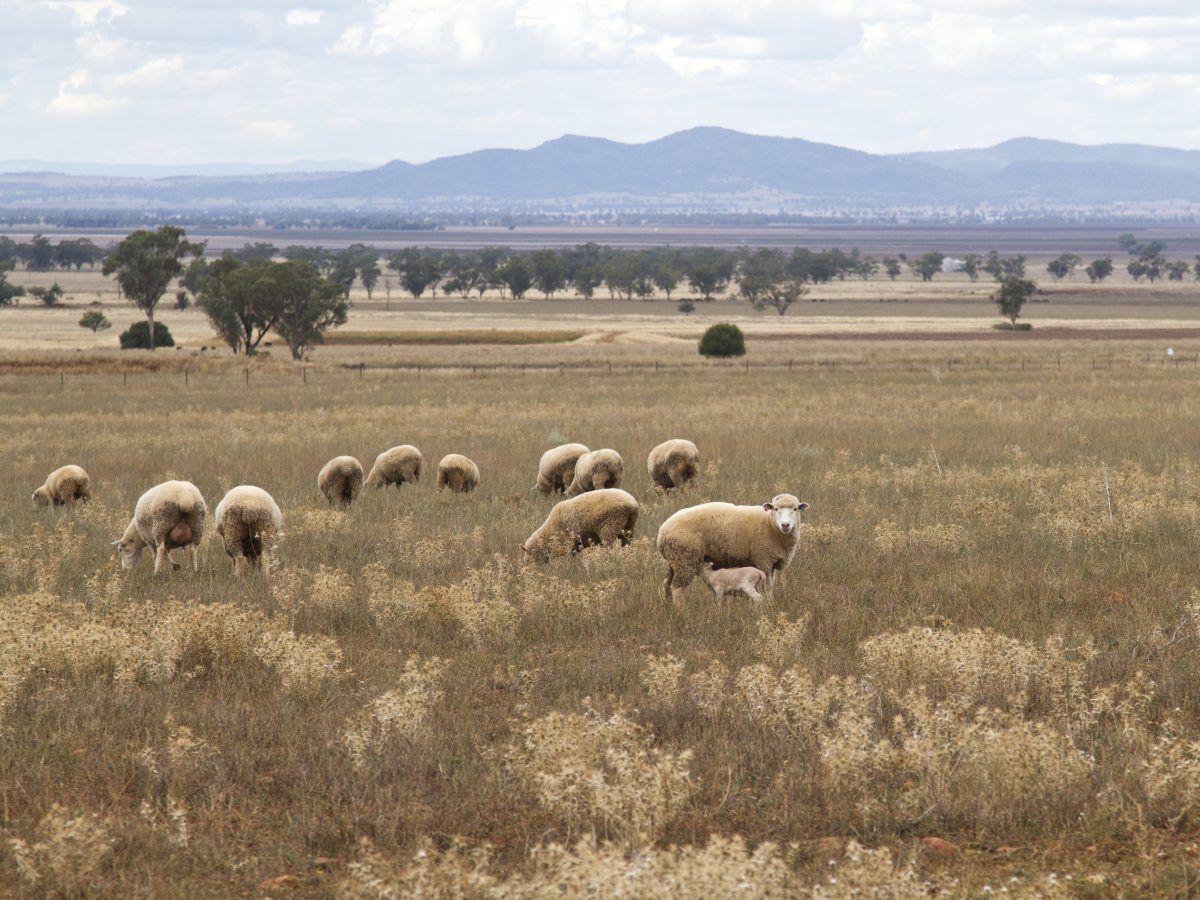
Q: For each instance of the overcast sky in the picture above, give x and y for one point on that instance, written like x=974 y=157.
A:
x=161 y=81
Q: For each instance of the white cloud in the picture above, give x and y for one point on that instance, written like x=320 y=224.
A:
x=304 y=17
x=73 y=100
x=421 y=78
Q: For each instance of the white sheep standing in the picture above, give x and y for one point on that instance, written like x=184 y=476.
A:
x=67 y=484
x=556 y=469
x=458 y=473
x=340 y=480
x=250 y=524
x=674 y=464
x=748 y=580
x=399 y=465
x=597 y=470
x=597 y=517
x=729 y=536
x=167 y=517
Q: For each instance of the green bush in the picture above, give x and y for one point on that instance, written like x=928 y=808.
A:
x=723 y=340
x=138 y=336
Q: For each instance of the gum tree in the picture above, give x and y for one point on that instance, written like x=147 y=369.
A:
x=145 y=264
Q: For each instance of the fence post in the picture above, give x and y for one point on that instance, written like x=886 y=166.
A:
x=186 y=381
x=124 y=377
x=62 y=382
x=361 y=368
x=247 y=376
x=304 y=373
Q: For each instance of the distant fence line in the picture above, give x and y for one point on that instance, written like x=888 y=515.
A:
x=186 y=377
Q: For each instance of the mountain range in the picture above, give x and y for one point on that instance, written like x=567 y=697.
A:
x=701 y=168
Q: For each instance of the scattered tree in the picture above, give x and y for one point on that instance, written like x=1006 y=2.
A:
x=1178 y=269
x=1063 y=266
x=9 y=293
x=970 y=264
x=138 y=337
x=687 y=307
x=723 y=340
x=309 y=306
x=892 y=267
x=242 y=300
x=1013 y=294
x=146 y=262
x=929 y=264
x=515 y=275
x=95 y=320
x=1099 y=269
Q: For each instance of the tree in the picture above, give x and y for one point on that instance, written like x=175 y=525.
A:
x=1003 y=267
x=723 y=340
x=1178 y=269
x=38 y=293
x=309 y=306
x=194 y=277
x=95 y=320
x=666 y=279
x=39 y=254
x=548 y=273
x=256 y=252
x=970 y=264
x=780 y=295
x=1014 y=293
x=687 y=307
x=516 y=275
x=368 y=274
x=891 y=266
x=929 y=264
x=866 y=267
x=1128 y=243
x=1063 y=266
x=242 y=300
x=137 y=337
x=145 y=262
x=8 y=292
x=1099 y=269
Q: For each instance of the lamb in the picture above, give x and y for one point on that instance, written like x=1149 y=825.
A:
x=595 y=471
x=397 y=466
x=168 y=516
x=341 y=480
x=674 y=464
x=249 y=522
x=603 y=517
x=729 y=536
x=557 y=468
x=68 y=484
x=458 y=473
x=748 y=580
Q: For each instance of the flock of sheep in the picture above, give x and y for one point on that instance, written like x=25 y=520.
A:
x=733 y=549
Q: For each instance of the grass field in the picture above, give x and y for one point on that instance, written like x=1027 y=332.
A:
x=988 y=637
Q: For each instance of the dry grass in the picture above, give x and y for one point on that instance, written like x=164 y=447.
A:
x=968 y=645
x=452 y=338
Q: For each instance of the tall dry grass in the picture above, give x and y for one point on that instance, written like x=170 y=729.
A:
x=968 y=645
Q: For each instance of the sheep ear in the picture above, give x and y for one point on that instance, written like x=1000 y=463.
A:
x=768 y=506
x=802 y=507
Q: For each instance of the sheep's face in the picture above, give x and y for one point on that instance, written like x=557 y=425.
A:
x=785 y=513
x=40 y=497
x=534 y=556
x=129 y=551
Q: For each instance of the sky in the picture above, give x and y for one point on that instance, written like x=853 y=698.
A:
x=269 y=81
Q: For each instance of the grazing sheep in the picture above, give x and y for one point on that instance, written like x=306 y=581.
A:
x=458 y=473
x=748 y=580
x=168 y=516
x=595 y=471
x=729 y=536
x=64 y=485
x=396 y=466
x=557 y=468
x=597 y=517
x=674 y=464
x=249 y=522
x=341 y=480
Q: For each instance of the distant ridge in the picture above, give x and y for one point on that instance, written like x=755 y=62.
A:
x=140 y=170
x=705 y=167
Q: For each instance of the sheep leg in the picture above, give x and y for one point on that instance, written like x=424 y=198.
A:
x=160 y=557
x=194 y=553
x=752 y=593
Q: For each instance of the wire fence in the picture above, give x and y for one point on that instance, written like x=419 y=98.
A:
x=186 y=377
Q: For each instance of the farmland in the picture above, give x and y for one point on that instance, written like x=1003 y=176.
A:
x=978 y=672
x=988 y=636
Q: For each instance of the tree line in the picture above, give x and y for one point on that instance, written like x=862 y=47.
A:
x=300 y=291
